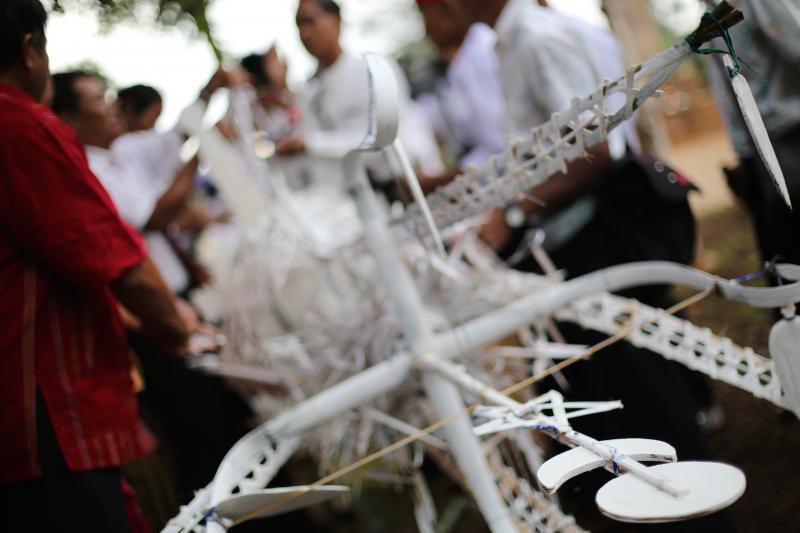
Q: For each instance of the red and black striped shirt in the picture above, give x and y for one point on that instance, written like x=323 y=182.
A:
x=62 y=243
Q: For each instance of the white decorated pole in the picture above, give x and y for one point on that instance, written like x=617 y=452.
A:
x=758 y=131
x=407 y=302
x=231 y=175
x=566 y=137
x=504 y=321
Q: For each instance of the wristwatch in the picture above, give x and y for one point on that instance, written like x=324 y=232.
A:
x=515 y=217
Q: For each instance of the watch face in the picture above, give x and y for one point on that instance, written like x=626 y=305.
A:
x=515 y=217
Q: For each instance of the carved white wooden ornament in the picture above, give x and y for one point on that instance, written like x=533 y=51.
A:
x=354 y=336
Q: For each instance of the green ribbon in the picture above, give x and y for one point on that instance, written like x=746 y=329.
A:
x=726 y=36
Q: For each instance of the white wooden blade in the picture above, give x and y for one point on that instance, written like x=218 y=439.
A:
x=280 y=500
x=565 y=466
x=758 y=131
x=711 y=486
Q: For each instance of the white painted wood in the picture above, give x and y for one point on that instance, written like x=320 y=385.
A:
x=691 y=490
x=271 y=502
x=758 y=130
x=711 y=487
x=384 y=111
x=784 y=347
x=565 y=466
x=238 y=188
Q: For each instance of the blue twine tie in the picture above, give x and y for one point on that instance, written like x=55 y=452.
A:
x=749 y=277
x=615 y=460
x=210 y=516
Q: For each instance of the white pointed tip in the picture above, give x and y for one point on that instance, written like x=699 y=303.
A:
x=784 y=192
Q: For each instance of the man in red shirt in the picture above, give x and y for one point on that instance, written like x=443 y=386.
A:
x=68 y=416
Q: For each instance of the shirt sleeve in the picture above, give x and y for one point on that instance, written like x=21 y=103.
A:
x=556 y=71
x=53 y=205
x=135 y=202
x=779 y=22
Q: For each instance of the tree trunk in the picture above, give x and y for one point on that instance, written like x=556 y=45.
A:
x=632 y=21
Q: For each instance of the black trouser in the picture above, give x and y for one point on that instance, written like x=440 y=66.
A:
x=777 y=228
x=195 y=416
x=90 y=501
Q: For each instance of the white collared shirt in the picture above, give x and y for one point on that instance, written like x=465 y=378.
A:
x=547 y=59
x=334 y=119
x=467 y=108
x=136 y=172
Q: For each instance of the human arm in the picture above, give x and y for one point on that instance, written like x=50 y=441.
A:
x=334 y=113
x=175 y=199
x=143 y=293
x=554 y=71
x=583 y=176
x=58 y=211
x=221 y=78
x=176 y=196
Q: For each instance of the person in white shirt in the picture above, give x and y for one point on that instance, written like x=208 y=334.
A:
x=334 y=109
x=271 y=104
x=546 y=60
x=189 y=405
x=141 y=171
x=466 y=106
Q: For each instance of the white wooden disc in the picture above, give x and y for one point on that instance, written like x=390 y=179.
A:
x=565 y=466
x=280 y=500
x=711 y=486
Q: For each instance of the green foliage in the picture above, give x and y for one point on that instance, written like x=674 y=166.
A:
x=166 y=13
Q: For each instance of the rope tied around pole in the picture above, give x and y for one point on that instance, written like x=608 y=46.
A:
x=696 y=44
x=210 y=516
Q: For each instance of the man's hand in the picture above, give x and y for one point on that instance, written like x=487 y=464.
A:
x=276 y=68
x=429 y=184
x=195 y=218
x=495 y=231
x=189 y=316
x=239 y=77
x=218 y=80
x=130 y=322
x=290 y=146
x=142 y=291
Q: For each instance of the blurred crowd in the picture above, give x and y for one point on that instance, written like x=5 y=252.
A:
x=100 y=211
